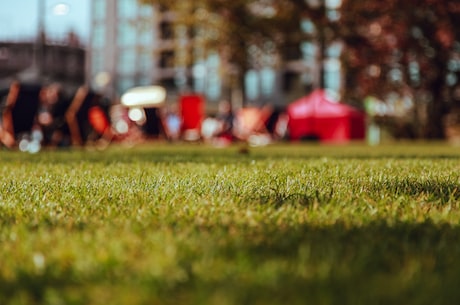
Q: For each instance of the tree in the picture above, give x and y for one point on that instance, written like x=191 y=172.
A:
x=408 y=46
x=245 y=33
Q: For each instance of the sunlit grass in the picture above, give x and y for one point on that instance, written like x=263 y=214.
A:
x=190 y=224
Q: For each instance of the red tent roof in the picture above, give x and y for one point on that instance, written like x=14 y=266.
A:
x=318 y=104
x=317 y=115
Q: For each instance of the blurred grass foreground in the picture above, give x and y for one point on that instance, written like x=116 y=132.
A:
x=189 y=224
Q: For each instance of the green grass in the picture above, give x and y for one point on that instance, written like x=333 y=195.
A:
x=190 y=224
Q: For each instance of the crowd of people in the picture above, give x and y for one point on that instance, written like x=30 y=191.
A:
x=254 y=125
x=35 y=116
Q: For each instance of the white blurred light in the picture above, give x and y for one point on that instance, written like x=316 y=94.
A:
x=333 y=4
x=374 y=70
x=259 y=140
x=199 y=71
x=451 y=79
x=34 y=147
x=209 y=128
x=45 y=118
x=148 y=96
x=61 y=9
x=39 y=260
x=121 y=127
x=136 y=114
x=192 y=135
x=24 y=145
x=37 y=135
x=102 y=79
x=375 y=29
x=314 y=3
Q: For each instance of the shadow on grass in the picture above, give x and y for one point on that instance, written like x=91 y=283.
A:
x=196 y=153
x=424 y=190
x=375 y=263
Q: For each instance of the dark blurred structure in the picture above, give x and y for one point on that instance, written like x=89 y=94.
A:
x=62 y=63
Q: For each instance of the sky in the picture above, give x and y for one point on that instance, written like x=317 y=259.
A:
x=19 y=19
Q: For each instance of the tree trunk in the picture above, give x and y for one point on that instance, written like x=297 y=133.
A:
x=437 y=108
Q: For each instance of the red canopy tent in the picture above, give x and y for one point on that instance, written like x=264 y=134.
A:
x=317 y=117
x=192 y=114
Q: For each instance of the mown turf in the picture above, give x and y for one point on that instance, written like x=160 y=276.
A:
x=191 y=224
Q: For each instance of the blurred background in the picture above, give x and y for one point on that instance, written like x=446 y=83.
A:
x=396 y=61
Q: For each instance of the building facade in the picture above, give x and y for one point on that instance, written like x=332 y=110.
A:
x=136 y=45
x=63 y=63
x=121 y=52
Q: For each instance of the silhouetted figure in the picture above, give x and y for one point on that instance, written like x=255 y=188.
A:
x=51 y=117
x=153 y=127
x=226 y=119
x=19 y=114
x=86 y=118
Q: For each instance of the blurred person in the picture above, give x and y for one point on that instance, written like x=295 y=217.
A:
x=51 y=116
x=20 y=111
x=172 y=123
x=209 y=128
x=155 y=125
x=87 y=120
x=251 y=125
x=276 y=123
x=280 y=131
x=225 y=118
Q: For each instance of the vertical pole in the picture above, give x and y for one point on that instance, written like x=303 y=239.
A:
x=39 y=51
x=322 y=43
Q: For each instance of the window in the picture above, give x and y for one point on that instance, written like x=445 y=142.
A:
x=97 y=62
x=144 y=80
x=126 y=34
x=4 y=53
x=146 y=11
x=292 y=51
x=167 y=59
x=214 y=83
x=145 y=62
x=199 y=76
x=267 y=81
x=146 y=36
x=251 y=82
x=307 y=26
x=98 y=36
x=125 y=83
x=332 y=75
x=127 y=62
x=214 y=87
x=99 y=9
x=309 y=50
x=334 y=50
x=166 y=30
x=127 y=9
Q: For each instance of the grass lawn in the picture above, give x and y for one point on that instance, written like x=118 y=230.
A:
x=191 y=224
